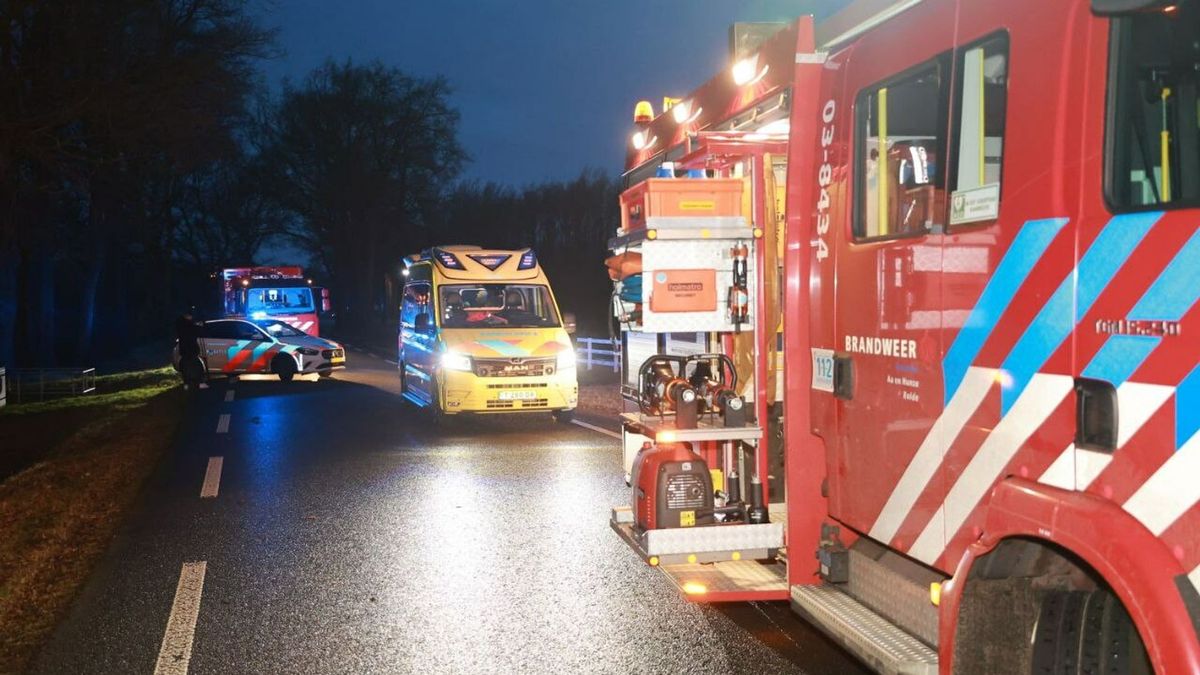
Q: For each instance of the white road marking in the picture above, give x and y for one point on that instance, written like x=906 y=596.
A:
x=1040 y=398
x=223 y=424
x=966 y=400
x=392 y=362
x=212 y=477
x=593 y=427
x=176 y=651
x=1170 y=491
x=229 y=396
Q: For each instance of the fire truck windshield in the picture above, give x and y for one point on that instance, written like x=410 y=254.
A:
x=513 y=305
x=1154 y=109
x=278 y=300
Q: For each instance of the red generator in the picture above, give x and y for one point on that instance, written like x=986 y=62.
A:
x=672 y=488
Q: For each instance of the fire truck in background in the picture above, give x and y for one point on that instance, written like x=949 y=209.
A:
x=990 y=262
x=280 y=293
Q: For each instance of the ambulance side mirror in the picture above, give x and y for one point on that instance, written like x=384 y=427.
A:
x=422 y=325
x=569 y=322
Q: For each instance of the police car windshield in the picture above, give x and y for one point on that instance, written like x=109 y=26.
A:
x=486 y=305
x=278 y=300
x=279 y=329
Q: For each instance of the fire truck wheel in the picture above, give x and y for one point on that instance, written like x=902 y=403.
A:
x=564 y=416
x=1086 y=632
x=284 y=367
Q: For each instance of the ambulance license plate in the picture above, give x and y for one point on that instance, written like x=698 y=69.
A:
x=518 y=395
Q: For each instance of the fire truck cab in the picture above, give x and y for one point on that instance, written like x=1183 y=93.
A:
x=991 y=265
x=278 y=293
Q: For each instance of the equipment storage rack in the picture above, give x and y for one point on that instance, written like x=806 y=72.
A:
x=732 y=562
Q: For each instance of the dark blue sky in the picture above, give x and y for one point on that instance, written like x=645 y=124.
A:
x=545 y=87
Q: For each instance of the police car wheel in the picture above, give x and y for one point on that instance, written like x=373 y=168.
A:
x=284 y=367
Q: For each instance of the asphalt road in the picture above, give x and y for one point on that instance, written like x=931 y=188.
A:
x=349 y=535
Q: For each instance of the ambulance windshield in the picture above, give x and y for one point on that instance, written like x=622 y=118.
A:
x=486 y=305
x=277 y=301
x=1154 y=122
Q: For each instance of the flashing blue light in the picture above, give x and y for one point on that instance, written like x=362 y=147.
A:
x=528 y=261
x=447 y=259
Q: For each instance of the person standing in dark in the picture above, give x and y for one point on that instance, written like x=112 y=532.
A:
x=190 y=365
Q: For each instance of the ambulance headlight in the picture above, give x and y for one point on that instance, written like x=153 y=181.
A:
x=456 y=361
x=566 y=359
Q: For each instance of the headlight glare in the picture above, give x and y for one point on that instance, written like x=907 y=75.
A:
x=566 y=359
x=456 y=361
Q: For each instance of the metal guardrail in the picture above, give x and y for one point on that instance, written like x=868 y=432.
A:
x=28 y=384
x=3 y=387
x=599 y=352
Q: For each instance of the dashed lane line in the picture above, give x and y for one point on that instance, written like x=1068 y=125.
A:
x=391 y=362
x=229 y=396
x=223 y=424
x=212 y=477
x=593 y=427
x=176 y=651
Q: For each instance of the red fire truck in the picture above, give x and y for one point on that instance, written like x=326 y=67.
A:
x=279 y=293
x=990 y=264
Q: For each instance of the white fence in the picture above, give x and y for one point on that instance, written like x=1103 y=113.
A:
x=598 y=352
x=3 y=387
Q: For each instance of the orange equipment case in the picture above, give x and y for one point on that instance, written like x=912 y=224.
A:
x=680 y=197
x=684 y=291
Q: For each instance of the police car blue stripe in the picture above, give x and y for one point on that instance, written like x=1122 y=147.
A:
x=235 y=348
x=1175 y=290
x=1072 y=300
x=1187 y=408
x=1120 y=357
x=1024 y=252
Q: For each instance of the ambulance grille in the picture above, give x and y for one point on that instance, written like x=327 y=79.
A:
x=518 y=385
x=533 y=367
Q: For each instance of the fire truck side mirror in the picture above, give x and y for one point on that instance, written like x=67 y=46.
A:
x=326 y=305
x=569 y=323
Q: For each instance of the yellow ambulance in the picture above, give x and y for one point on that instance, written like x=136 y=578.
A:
x=480 y=333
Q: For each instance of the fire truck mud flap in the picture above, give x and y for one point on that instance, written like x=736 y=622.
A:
x=870 y=637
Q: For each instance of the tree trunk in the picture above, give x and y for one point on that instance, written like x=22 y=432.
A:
x=10 y=259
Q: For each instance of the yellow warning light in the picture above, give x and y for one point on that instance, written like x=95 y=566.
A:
x=643 y=112
x=666 y=437
x=935 y=593
x=652 y=234
x=653 y=561
x=692 y=558
x=758 y=233
x=695 y=588
x=704 y=233
x=736 y=555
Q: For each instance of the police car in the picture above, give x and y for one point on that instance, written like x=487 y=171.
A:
x=239 y=347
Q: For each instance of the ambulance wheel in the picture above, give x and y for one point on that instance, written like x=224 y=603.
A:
x=1086 y=632
x=564 y=416
x=285 y=367
x=436 y=413
x=324 y=374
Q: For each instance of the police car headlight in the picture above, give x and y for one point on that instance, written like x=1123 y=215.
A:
x=456 y=361
x=566 y=359
x=308 y=351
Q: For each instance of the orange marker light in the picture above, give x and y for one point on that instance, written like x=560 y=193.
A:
x=695 y=588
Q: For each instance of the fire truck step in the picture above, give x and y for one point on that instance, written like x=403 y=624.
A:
x=867 y=635
x=730 y=581
x=895 y=587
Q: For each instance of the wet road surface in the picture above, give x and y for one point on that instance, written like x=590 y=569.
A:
x=350 y=535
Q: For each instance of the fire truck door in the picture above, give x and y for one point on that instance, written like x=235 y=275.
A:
x=888 y=305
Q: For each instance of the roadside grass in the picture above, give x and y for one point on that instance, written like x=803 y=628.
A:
x=69 y=471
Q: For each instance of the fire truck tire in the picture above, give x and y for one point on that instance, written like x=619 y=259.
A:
x=285 y=367
x=1086 y=632
x=564 y=416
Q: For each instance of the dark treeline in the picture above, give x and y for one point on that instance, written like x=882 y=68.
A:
x=139 y=151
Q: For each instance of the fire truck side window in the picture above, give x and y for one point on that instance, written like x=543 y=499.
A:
x=1153 y=139
x=980 y=101
x=900 y=154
